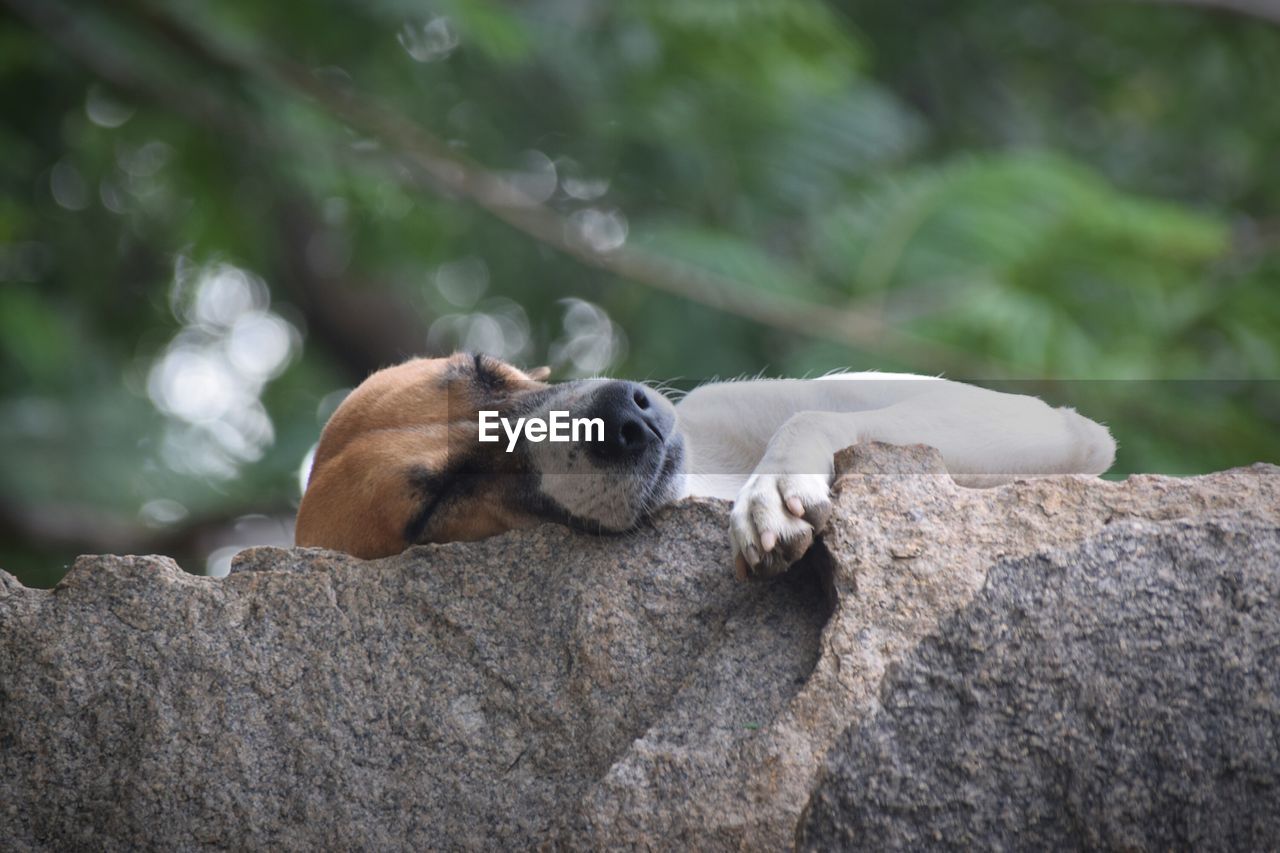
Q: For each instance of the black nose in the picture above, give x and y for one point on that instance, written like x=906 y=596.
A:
x=632 y=423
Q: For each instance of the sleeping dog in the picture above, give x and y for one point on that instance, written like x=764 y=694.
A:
x=413 y=455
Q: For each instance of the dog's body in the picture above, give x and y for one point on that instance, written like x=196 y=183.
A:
x=400 y=461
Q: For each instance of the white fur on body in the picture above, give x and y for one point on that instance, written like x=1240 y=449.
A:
x=769 y=444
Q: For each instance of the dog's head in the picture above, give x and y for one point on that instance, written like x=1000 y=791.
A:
x=401 y=460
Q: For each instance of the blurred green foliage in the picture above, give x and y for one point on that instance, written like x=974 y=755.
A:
x=195 y=255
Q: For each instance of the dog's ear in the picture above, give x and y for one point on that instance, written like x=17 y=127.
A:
x=538 y=373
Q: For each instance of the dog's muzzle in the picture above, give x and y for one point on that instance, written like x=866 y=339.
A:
x=633 y=423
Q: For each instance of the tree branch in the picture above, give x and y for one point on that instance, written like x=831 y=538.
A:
x=1265 y=10
x=454 y=175
x=368 y=326
x=364 y=325
x=197 y=107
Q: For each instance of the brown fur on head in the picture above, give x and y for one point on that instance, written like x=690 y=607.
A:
x=399 y=461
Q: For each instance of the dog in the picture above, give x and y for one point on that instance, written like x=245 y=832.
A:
x=410 y=456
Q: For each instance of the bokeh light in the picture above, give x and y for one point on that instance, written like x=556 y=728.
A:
x=210 y=377
x=590 y=342
x=429 y=41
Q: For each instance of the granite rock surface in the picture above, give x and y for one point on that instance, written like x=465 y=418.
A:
x=540 y=688
x=1119 y=695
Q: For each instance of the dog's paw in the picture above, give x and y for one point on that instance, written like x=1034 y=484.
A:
x=774 y=520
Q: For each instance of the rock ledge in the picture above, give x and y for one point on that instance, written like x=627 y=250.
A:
x=545 y=687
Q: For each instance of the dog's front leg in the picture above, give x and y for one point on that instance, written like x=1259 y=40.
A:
x=786 y=501
x=985 y=438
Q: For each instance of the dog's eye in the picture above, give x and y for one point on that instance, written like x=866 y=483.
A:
x=430 y=489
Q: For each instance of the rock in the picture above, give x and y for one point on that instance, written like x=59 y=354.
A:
x=542 y=687
x=455 y=696
x=1123 y=695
